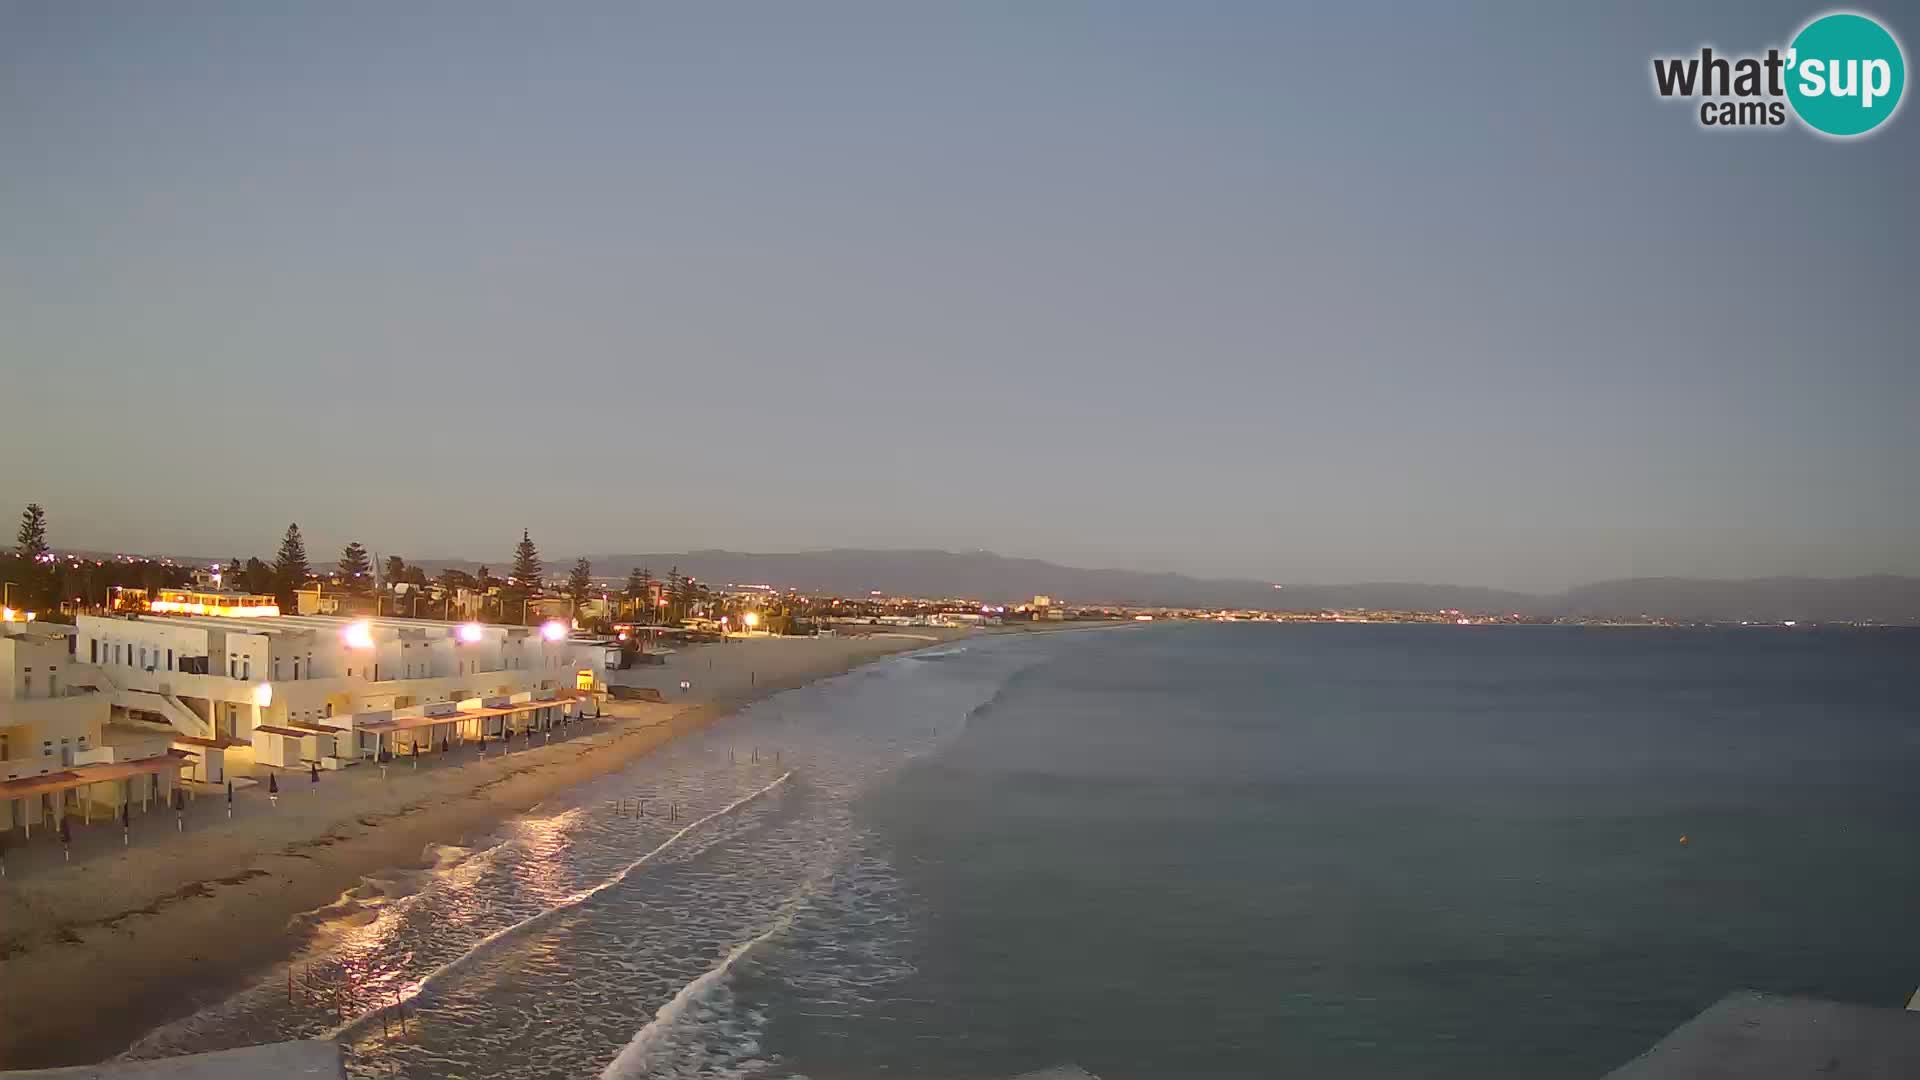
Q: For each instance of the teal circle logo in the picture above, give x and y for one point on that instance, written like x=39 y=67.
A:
x=1845 y=74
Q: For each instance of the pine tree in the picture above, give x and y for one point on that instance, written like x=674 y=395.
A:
x=40 y=578
x=256 y=577
x=290 y=569
x=580 y=583
x=526 y=564
x=355 y=567
x=396 y=570
x=673 y=595
x=32 y=546
x=635 y=591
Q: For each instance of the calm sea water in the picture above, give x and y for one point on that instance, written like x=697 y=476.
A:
x=1174 y=851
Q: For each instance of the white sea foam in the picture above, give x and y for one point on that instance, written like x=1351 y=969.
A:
x=514 y=930
x=638 y=1057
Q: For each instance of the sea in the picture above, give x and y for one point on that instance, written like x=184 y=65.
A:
x=1170 y=850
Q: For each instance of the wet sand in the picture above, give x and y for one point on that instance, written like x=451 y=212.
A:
x=95 y=952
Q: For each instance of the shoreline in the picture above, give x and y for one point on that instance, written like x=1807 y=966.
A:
x=96 y=953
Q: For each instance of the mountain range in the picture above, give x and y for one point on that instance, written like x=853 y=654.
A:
x=1001 y=579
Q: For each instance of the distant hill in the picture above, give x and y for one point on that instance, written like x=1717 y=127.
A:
x=854 y=572
x=1879 y=598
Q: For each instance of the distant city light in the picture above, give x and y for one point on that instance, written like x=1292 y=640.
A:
x=358 y=635
x=471 y=632
x=553 y=629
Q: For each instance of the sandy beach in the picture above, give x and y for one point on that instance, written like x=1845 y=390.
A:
x=95 y=951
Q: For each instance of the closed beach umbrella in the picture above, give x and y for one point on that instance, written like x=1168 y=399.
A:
x=315 y=766
x=66 y=830
x=229 y=793
x=273 y=784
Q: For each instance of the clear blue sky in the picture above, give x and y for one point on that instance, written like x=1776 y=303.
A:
x=1328 y=293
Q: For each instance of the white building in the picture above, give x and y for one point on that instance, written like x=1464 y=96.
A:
x=59 y=751
x=214 y=677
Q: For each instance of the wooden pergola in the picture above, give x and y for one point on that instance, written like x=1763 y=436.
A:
x=465 y=723
x=85 y=776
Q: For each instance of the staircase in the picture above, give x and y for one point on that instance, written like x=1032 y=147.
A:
x=167 y=707
x=171 y=710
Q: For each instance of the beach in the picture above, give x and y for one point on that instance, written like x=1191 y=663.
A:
x=96 y=951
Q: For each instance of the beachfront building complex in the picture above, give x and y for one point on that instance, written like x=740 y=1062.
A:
x=60 y=751
x=222 y=678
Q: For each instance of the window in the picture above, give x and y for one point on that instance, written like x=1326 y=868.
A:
x=29 y=685
x=93 y=650
x=246 y=668
x=296 y=669
x=169 y=659
x=143 y=656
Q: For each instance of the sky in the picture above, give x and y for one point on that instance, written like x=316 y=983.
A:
x=1307 y=293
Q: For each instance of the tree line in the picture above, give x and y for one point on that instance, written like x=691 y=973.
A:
x=37 y=580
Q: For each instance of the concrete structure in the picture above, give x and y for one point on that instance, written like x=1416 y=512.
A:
x=59 y=751
x=313 y=600
x=1751 y=1036
x=306 y=1059
x=213 y=677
